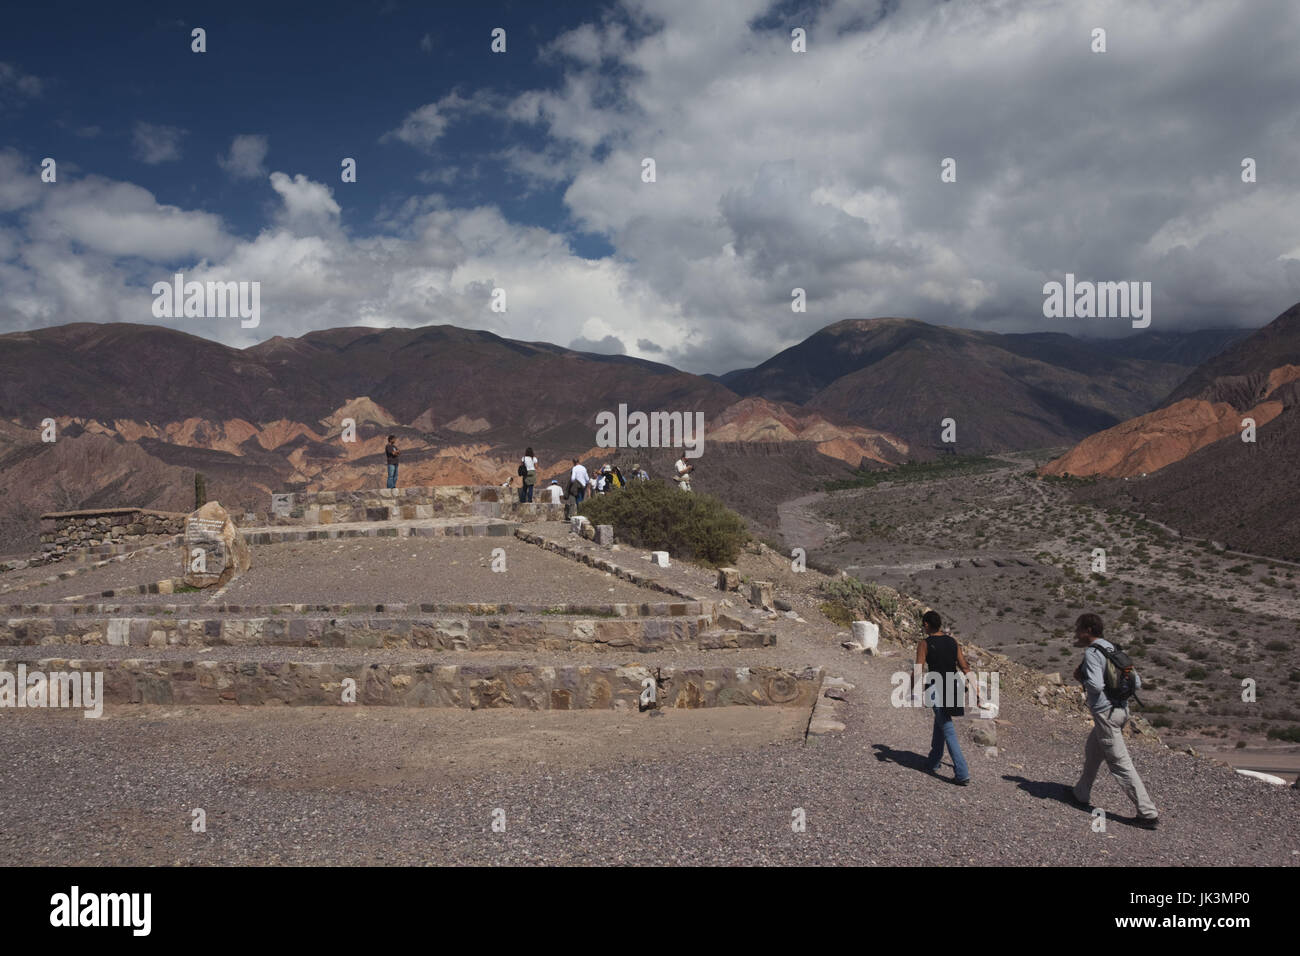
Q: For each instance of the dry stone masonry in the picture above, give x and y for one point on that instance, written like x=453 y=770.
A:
x=103 y=531
x=404 y=504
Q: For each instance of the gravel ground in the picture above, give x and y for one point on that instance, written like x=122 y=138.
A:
x=300 y=786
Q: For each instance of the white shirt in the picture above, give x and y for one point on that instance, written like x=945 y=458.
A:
x=579 y=474
x=530 y=464
x=556 y=493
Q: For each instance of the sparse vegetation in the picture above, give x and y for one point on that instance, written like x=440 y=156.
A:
x=656 y=515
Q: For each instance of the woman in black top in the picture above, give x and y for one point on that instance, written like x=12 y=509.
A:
x=939 y=658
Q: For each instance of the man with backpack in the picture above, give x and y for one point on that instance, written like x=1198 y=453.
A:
x=1108 y=676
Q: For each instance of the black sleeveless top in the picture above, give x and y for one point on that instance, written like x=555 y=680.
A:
x=941 y=660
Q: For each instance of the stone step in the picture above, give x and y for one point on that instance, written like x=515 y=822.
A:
x=485 y=633
x=185 y=677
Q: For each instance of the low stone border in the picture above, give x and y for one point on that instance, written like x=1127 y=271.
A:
x=640 y=634
x=471 y=686
x=602 y=564
x=650 y=609
x=495 y=529
x=73 y=572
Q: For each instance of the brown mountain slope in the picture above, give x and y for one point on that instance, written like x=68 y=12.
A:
x=1208 y=407
x=1246 y=363
x=1003 y=391
x=1240 y=494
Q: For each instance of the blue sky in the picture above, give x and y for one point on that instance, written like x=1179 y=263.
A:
x=777 y=168
x=321 y=81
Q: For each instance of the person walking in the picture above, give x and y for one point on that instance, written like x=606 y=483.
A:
x=1108 y=704
x=527 y=472
x=939 y=659
x=390 y=454
x=578 y=479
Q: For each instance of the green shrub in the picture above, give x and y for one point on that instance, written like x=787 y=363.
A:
x=1291 y=734
x=848 y=599
x=662 y=517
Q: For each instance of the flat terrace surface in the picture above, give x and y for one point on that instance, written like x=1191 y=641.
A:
x=423 y=569
x=26 y=585
x=367 y=571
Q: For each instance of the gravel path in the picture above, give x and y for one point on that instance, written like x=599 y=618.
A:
x=284 y=785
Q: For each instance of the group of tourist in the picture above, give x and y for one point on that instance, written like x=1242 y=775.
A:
x=579 y=486
x=1107 y=679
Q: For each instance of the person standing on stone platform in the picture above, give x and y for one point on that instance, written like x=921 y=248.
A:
x=528 y=476
x=391 y=453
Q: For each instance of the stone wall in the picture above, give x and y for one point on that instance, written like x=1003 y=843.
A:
x=107 y=530
x=433 y=684
x=406 y=504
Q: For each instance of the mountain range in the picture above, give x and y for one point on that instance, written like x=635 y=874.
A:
x=140 y=408
x=1188 y=462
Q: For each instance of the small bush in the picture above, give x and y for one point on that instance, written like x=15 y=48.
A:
x=662 y=517
x=848 y=599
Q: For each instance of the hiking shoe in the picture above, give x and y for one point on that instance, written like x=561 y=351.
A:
x=1081 y=804
x=964 y=782
x=1148 y=823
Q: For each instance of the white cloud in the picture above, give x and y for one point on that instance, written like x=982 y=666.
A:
x=16 y=86
x=246 y=158
x=153 y=143
x=423 y=127
x=119 y=219
x=308 y=207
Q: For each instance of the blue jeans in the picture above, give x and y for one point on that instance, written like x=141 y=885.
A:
x=945 y=732
x=578 y=498
x=392 y=476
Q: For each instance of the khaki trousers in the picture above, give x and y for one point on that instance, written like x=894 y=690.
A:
x=1106 y=742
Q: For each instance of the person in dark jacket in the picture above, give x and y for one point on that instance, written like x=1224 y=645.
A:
x=391 y=455
x=939 y=660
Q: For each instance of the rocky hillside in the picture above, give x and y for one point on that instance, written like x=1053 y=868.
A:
x=1004 y=391
x=138 y=409
x=1247 y=380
